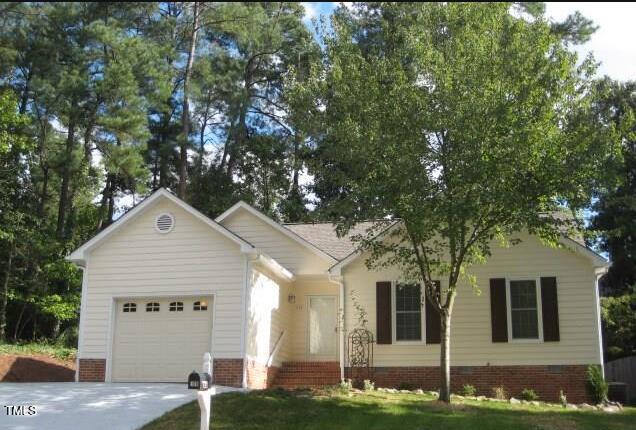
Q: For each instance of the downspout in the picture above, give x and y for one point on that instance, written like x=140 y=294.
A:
x=598 y=273
x=82 y=317
x=339 y=280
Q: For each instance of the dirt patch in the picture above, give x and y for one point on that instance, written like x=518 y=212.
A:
x=35 y=368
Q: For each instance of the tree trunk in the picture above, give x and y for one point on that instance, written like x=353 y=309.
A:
x=444 y=361
x=66 y=180
x=183 y=160
x=5 y=294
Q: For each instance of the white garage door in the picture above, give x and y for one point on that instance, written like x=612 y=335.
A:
x=160 y=340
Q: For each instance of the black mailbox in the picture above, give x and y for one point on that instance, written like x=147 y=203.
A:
x=199 y=381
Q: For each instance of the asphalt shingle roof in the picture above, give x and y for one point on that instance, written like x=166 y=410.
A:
x=323 y=236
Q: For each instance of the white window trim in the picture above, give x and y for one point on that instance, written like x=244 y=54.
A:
x=537 y=285
x=422 y=340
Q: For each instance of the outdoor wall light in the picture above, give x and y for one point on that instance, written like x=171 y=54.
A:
x=291 y=298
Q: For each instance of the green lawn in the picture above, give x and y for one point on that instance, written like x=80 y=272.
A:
x=280 y=410
x=52 y=350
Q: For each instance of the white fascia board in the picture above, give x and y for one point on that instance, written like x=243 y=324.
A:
x=79 y=255
x=272 y=265
x=597 y=260
x=276 y=226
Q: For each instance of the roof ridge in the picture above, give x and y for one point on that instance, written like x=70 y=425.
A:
x=335 y=222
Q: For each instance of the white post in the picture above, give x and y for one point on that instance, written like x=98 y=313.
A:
x=204 y=397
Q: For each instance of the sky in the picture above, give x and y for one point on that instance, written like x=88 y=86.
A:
x=613 y=44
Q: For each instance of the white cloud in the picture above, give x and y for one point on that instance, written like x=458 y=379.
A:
x=311 y=11
x=612 y=44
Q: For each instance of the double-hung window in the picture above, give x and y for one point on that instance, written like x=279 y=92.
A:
x=408 y=312
x=524 y=317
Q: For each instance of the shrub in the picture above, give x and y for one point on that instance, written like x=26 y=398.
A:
x=562 y=399
x=405 y=386
x=596 y=383
x=468 y=390
x=346 y=385
x=529 y=394
x=500 y=393
x=369 y=385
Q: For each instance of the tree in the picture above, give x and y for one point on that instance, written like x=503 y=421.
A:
x=13 y=144
x=465 y=121
x=615 y=219
x=619 y=324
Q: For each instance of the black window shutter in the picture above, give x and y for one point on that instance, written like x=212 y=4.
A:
x=550 y=309
x=498 y=311
x=433 y=320
x=383 y=312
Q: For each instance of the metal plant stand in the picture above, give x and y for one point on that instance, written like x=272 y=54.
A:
x=359 y=356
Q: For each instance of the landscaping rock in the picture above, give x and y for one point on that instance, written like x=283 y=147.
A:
x=433 y=393
x=405 y=391
x=481 y=398
x=611 y=409
x=535 y=403
x=514 y=401
x=419 y=391
x=586 y=406
x=571 y=406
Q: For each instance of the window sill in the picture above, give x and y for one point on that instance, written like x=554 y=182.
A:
x=525 y=341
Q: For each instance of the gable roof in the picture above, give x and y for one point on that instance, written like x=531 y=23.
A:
x=323 y=235
x=575 y=245
x=79 y=255
x=241 y=205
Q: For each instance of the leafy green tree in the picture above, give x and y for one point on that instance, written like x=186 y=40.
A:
x=13 y=145
x=615 y=219
x=466 y=122
x=619 y=324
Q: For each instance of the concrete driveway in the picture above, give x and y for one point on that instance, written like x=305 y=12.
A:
x=71 y=405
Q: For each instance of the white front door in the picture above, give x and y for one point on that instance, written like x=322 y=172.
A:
x=323 y=328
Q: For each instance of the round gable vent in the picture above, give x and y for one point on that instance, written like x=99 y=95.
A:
x=164 y=223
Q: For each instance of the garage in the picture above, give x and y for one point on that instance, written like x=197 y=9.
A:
x=160 y=339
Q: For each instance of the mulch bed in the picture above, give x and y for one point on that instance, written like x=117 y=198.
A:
x=35 y=368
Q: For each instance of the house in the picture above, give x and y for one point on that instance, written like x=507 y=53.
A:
x=164 y=284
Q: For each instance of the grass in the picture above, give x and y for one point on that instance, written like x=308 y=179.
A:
x=281 y=410
x=39 y=348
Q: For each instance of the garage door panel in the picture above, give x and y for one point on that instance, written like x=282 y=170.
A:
x=163 y=346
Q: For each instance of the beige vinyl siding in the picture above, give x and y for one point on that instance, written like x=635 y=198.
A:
x=138 y=261
x=268 y=317
x=287 y=252
x=304 y=287
x=471 y=342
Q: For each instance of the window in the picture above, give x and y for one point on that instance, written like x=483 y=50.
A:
x=200 y=306
x=408 y=312
x=176 y=306
x=130 y=307
x=152 y=307
x=524 y=310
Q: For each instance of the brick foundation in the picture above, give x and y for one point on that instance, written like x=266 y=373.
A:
x=260 y=376
x=228 y=372
x=92 y=370
x=546 y=381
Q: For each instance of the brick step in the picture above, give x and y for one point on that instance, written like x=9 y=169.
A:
x=307 y=372
x=310 y=365
x=295 y=374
